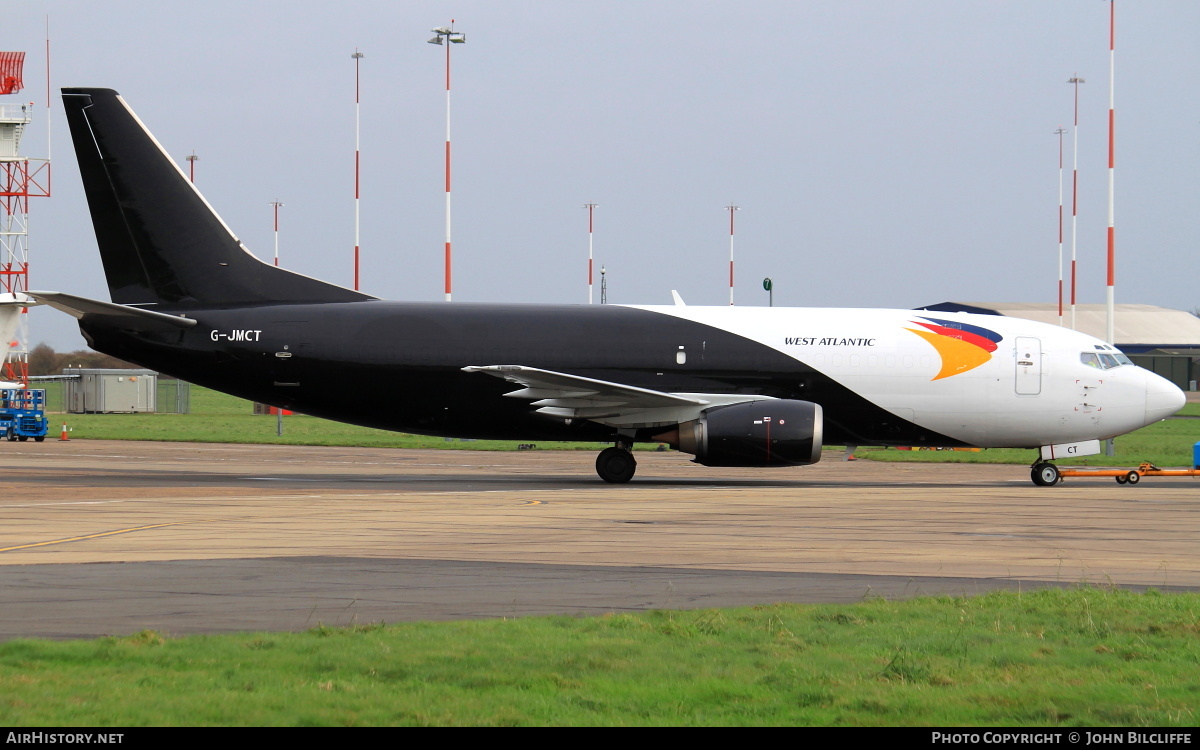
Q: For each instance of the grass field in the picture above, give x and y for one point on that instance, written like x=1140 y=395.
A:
x=1164 y=444
x=218 y=418
x=1051 y=658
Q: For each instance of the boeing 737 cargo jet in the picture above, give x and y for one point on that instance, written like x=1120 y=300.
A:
x=734 y=386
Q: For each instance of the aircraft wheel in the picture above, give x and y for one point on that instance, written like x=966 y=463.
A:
x=1122 y=478
x=1133 y=477
x=1045 y=475
x=615 y=465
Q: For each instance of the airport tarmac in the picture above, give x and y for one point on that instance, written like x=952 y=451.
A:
x=108 y=537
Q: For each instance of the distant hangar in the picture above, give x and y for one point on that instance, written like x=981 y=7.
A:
x=1162 y=340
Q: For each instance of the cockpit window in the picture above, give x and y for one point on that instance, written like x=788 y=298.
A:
x=1104 y=360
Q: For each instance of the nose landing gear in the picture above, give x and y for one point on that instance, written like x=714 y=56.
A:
x=1044 y=474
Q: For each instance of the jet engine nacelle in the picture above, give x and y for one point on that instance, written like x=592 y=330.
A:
x=778 y=432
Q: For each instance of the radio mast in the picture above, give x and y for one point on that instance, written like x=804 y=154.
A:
x=21 y=178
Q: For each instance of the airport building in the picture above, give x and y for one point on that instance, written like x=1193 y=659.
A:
x=1160 y=339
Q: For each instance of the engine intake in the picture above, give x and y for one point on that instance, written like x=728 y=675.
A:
x=776 y=432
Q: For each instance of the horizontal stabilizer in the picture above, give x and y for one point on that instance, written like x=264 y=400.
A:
x=79 y=307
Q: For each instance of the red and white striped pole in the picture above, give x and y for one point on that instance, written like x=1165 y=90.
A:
x=48 y=100
x=1112 y=122
x=357 y=56
x=590 y=208
x=276 y=204
x=1075 y=80
x=446 y=37
x=1059 y=133
x=731 y=208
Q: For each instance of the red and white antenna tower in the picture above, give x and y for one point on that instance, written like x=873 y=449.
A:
x=446 y=37
x=1075 y=81
x=191 y=160
x=590 y=208
x=357 y=56
x=731 y=208
x=1110 y=295
x=21 y=178
x=1059 y=133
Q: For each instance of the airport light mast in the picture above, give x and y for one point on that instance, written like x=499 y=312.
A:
x=445 y=37
x=191 y=160
x=276 y=204
x=1059 y=133
x=21 y=178
x=1075 y=81
x=731 y=208
x=590 y=208
x=357 y=56
x=1110 y=293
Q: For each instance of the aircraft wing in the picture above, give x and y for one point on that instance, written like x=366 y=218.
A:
x=560 y=394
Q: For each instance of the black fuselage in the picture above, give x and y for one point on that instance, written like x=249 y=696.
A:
x=398 y=366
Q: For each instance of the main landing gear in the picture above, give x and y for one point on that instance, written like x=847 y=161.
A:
x=1044 y=474
x=616 y=465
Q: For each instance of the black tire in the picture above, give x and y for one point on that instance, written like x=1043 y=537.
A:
x=1122 y=478
x=1133 y=477
x=1045 y=475
x=615 y=465
x=23 y=438
x=39 y=438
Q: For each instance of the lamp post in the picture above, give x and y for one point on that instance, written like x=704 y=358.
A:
x=446 y=36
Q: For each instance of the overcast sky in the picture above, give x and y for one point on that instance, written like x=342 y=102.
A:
x=883 y=154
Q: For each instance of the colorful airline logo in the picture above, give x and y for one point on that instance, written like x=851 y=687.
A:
x=962 y=347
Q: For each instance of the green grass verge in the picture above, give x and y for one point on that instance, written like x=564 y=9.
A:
x=1083 y=657
x=219 y=418
x=1168 y=443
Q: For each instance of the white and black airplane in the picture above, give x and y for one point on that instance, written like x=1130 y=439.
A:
x=734 y=386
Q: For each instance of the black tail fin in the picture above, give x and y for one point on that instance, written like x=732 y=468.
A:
x=160 y=241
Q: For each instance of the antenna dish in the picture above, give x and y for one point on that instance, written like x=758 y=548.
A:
x=10 y=72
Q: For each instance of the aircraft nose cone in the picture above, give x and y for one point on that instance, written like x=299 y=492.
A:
x=1163 y=398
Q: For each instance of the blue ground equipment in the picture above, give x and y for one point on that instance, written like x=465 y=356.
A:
x=22 y=413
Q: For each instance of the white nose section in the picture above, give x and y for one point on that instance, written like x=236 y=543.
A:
x=1163 y=398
